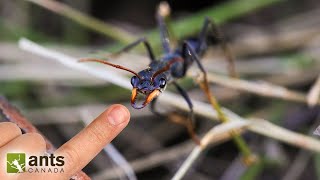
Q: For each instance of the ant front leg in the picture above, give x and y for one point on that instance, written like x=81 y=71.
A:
x=219 y=36
x=164 y=33
x=189 y=52
x=134 y=44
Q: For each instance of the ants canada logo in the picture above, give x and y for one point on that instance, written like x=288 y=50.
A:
x=16 y=162
x=19 y=163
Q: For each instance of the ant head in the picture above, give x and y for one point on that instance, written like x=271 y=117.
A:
x=146 y=82
x=149 y=85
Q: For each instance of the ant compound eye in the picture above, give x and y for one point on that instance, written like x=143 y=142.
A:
x=162 y=83
x=134 y=80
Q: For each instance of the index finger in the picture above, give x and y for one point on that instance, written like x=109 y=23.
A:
x=83 y=147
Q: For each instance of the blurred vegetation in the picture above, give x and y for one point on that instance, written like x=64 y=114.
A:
x=33 y=95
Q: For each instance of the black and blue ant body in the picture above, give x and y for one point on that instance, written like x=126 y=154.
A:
x=173 y=65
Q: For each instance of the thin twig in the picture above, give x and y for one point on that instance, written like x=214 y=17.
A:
x=71 y=62
x=150 y=161
x=298 y=165
x=216 y=134
x=266 y=128
x=165 y=155
x=260 y=88
x=235 y=170
x=301 y=160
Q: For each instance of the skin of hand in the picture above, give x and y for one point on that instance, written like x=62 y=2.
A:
x=77 y=152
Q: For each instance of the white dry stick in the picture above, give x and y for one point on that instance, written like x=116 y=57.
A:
x=260 y=88
x=260 y=126
x=155 y=159
x=317 y=131
x=215 y=135
x=113 y=153
x=71 y=62
x=313 y=95
x=266 y=128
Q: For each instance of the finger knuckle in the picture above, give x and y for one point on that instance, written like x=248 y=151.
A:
x=71 y=155
x=12 y=127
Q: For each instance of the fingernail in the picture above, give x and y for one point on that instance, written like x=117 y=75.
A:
x=117 y=115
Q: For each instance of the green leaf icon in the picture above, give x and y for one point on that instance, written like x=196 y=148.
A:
x=16 y=162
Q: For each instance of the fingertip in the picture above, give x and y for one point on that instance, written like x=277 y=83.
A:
x=125 y=110
x=117 y=114
x=14 y=128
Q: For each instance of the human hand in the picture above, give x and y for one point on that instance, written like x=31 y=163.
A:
x=77 y=152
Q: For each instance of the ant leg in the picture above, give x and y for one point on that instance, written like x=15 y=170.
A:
x=187 y=98
x=164 y=33
x=153 y=108
x=219 y=36
x=187 y=50
x=249 y=158
x=190 y=123
x=134 y=44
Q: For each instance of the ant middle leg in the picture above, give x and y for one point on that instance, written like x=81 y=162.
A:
x=153 y=108
x=189 y=124
x=216 y=33
x=134 y=44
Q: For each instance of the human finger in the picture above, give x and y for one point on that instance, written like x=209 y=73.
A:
x=30 y=144
x=8 y=131
x=83 y=147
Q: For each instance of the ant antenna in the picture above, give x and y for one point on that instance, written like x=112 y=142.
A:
x=166 y=68
x=110 y=64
